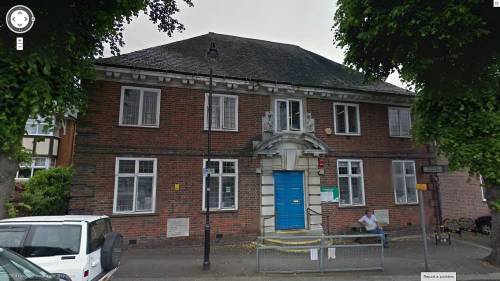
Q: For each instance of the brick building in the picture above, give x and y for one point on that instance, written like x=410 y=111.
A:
x=291 y=128
x=461 y=196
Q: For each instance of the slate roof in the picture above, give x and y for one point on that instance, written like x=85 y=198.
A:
x=250 y=59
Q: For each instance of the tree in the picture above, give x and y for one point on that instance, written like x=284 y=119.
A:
x=450 y=52
x=44 y=79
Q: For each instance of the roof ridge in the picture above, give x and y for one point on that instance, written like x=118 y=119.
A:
x=254 y=39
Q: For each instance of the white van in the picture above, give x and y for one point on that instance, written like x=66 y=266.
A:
x=81 y=248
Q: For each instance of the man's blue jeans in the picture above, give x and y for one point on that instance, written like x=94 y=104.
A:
x=379 y=230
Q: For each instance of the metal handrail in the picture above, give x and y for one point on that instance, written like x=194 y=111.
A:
x=308 y=210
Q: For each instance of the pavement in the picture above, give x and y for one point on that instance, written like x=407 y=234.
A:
x=403 y=262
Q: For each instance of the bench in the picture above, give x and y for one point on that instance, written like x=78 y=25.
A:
x=358 y=228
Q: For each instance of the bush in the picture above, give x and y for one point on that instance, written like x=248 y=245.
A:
x=47 y=192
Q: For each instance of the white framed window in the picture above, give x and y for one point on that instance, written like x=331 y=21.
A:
x=39 y=127
x=224 y=112
x=405 y=181
x=140 y=107
x=27 y=170
x=223 y=184
x=351 y=183
x=346 y=119
x=288 y=115
x=135 y=185
x=399 y=122
x=481 y=183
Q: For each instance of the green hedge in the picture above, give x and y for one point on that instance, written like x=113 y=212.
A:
x=45 y=194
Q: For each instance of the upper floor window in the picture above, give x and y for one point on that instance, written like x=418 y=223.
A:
x=39 y=127
x=135 y=185
x=27 y=170
x=399 y=121
x=224 y=112
x=346 y=119
x=140 y=107
x=405 y=181
x=223 y=184
x=351 y=185
x=288 y=114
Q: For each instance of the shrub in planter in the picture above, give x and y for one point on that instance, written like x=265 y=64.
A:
x=47 y=192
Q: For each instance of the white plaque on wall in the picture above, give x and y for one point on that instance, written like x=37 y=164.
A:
x=177 y=227
x=382 y=216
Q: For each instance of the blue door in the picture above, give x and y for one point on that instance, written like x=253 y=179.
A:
x=289 y=196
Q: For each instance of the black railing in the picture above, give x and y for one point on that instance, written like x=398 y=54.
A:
x=309 y=211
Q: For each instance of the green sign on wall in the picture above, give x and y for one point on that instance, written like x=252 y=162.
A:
x=329 y=194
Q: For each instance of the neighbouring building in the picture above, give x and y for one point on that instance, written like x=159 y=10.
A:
x=293 y=133
x=51 y=146
x=461 y=196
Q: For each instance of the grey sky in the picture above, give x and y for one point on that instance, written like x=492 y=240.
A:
x=303 y=23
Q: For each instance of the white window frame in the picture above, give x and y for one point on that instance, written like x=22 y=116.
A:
x=346 y=119
x=404 y=176
x=481 y=184
x=221 y=106
x=349 y=175
x=139 y=120
x=220 y=175
x=135 y=175
x=391 y=133
x=49 y=163
x=40 y=121
x=288 y=117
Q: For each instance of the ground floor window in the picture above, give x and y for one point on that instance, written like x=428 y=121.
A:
x=405 y=181
x=135 y=185
x=223 y=184
x=351 y=184
x=27 y=170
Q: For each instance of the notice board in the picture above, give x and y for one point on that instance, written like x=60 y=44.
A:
x=329 y=194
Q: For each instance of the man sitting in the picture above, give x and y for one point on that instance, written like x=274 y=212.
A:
x=370 y=222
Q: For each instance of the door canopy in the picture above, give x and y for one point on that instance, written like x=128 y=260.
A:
x=304 y=144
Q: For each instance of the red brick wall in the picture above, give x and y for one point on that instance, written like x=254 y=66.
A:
x=379 y=194
x=461 y=196
x=377 y=150
x=179 y=144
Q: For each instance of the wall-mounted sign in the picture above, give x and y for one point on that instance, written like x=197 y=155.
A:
x=177 y=227
x=382 y=216
x=422 y=186
x=433 y=169
x=329 y=194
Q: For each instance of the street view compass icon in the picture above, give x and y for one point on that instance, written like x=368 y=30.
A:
x=20 y=19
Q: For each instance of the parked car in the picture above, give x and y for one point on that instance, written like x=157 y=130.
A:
x=483 y=224
x=15 y=267
x=81 y=247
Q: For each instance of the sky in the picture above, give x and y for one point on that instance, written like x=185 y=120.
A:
x=307 y=24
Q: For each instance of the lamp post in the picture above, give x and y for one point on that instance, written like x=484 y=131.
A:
x=212 y=55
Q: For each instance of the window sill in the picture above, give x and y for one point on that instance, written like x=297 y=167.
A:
x=205 y=130
x=122 y=215
x=351 y=206
x=220 y=211
x=407 y=204
x=139 y=126
x=348 y=135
